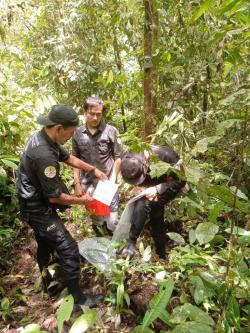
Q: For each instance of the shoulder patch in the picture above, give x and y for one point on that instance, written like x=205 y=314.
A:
x=50 y=171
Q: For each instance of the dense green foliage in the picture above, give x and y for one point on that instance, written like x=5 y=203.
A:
x=63 y=51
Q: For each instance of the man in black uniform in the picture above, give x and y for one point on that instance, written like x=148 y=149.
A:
x=97 y=143
x=41 y=191
x=135 y=169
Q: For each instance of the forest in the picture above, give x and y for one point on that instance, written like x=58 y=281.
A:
x=173 y=73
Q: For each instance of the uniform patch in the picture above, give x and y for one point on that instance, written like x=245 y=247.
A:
x=50 y=171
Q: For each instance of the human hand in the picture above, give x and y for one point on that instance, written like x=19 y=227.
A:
x=151 y=193
x=78 y=190
x=99 y=174
x=86 y=198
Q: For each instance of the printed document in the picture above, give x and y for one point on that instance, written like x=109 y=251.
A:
x=105 y=191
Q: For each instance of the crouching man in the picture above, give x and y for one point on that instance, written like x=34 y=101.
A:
x=135 y=169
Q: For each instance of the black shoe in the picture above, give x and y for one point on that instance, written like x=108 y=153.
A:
x=51 y=286
x=162 y=256
x=55 y=288
x=89 y=300
x=129 y=250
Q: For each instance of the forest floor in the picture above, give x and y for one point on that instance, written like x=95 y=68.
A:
x=20 y=284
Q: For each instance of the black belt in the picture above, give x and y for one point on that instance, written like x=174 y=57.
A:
x=32 y=204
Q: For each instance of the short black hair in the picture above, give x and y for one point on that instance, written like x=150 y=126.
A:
x=93 y=101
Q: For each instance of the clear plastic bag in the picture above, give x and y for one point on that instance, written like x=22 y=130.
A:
x=123 y=227
x=99 y=251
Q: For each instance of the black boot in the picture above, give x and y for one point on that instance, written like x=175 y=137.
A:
x=129 y=249
x=51 y=286
x=80 y=298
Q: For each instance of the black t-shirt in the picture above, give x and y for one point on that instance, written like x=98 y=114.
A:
x=38 y=176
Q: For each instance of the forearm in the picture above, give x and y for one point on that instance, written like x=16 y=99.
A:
x=65 y=199
x=76 y=176
x=77 y=163
x=115 y=170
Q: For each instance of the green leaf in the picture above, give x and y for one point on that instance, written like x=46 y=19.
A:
x=208 y=277
x=192 y=236
x=5 y=304
x=181 y=313
x=228 y=5
x=233 y=311
x=225 y=194
x=204 y=7
x=120 y=294
x=192 y=327
x=227 y=68
x=221 y=127
x=140 y=329
x=199 y=291
x=158 y=303
x=194 y=173
x=64 y=311
x=191 y=202
x=2 y=33
x=110 y=77
x=160 y=168
x=165 y=317
x=32 y=328
x=238 y=231
x=176 y=237
x=9 y=164
x=238 y=193
x=243 y=240
x=202 y=145
x=205 y=232
x=83 y=322
x=10 y=158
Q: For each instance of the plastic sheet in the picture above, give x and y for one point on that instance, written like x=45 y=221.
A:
x=99 y=251
x=123 y=227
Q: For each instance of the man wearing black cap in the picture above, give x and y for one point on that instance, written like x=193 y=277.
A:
x=97 y=143
x=41 y=191
x=135 y=169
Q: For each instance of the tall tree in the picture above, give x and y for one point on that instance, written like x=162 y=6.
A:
x=148 y=67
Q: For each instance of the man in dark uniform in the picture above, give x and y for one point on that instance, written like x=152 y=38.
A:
x=97 y=143
x=135 y=169
x=41 y=191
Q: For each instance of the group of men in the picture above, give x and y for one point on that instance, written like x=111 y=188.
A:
x=96 y=154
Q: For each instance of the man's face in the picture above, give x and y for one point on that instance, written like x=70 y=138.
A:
x=64 y=134
x=94 y=116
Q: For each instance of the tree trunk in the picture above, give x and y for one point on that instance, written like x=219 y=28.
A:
x=148 y=68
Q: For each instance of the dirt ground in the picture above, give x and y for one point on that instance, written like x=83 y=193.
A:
x=21 y=285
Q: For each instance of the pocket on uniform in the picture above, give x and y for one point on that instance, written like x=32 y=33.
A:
x=103 y=146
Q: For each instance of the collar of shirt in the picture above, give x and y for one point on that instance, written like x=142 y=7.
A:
x=100 y=128
x=48 y=139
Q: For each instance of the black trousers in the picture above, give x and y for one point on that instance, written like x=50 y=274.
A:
x=144 y=208
x=51 y=235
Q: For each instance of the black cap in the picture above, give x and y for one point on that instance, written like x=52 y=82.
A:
x=59 y=114
x=134 y=168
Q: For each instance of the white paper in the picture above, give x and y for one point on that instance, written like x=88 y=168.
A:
x=105 y=191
